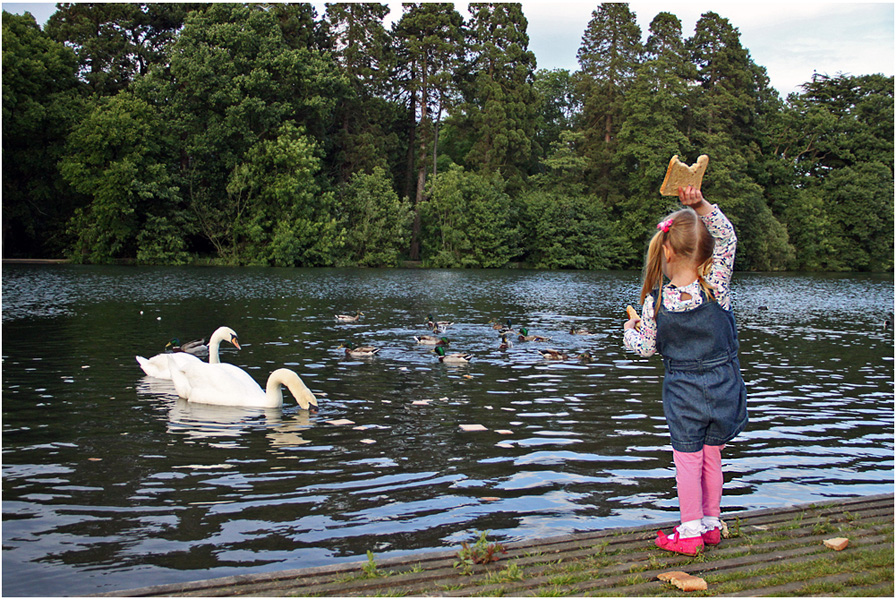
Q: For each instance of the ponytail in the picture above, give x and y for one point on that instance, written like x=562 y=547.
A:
x=653 y=266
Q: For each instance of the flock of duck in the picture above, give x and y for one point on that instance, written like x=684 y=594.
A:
x=215 y=382
x=506 y=333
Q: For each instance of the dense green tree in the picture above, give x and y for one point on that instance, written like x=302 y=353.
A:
x=566 y=231
x=430 y=42
x=282 y=216
x=299 y=25
x=41 y=102
x=376 y=221
x=836 y=138
x=558 y=106
x=233 y=83
x=115 y=42
x=608 y=57
x=499 y=101
x=469 y=221
x=116 y=157
x=564 y=166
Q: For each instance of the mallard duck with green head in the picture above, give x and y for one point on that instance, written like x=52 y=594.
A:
x=454 y=357
x=507 y=327
x=525 y=337
x=196 y=347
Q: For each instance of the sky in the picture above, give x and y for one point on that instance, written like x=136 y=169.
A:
x=791 y=39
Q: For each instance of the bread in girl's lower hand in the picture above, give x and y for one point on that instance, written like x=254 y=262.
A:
x=679 y=175
x=632 y=314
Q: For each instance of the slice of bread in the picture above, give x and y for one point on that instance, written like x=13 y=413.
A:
x=683 y=581
x=837 y=543
x=679 y=175
x=631 y=313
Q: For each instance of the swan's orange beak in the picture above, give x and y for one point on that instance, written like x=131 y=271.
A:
x=235 y=342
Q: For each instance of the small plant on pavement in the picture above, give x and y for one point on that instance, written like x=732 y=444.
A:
x=480 y=553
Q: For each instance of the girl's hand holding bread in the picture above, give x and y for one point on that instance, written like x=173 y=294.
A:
x=633 y=319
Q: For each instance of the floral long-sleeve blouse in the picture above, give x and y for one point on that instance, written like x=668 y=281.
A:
x=643 y=340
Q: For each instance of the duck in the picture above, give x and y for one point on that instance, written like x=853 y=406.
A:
x=158 y=365
x=359 y=351
x=505 y=343
x=525 y=337
x=228 y=385
x=453 y=358
x=582 y=331
x=349 y=318
x=437 y=326
x=431 y=340
x=196 y=347
x=585 y=357
x=507 y=327
x=551 y=354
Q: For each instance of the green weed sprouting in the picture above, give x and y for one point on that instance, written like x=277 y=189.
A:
x=480 y=553
x=370 y=569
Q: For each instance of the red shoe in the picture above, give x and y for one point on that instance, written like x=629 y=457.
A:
x=692 y=546
x=712 y=537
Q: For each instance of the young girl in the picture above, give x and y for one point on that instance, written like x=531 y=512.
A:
x=689 y=322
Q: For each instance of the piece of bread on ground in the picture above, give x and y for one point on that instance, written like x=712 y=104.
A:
x=679 y=175
x=683 y=581
x=632 y=314
x=670 y=575
x=837 y=543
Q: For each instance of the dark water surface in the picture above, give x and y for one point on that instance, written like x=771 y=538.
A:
x=110 y=482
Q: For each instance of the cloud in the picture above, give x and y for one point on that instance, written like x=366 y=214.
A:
x=790 y=39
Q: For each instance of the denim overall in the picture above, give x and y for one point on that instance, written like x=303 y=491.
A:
x=704 y=396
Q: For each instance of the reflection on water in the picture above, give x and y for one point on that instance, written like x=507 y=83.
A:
x=111 y=482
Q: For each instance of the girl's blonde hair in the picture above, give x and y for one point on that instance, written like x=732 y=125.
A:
x=685 y=232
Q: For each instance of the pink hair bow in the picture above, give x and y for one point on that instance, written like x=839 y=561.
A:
x=665 y=225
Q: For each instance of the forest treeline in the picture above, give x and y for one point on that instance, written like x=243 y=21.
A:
x=266 y=134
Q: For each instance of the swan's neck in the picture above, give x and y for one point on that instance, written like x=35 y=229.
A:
x=297 y=388
x=214 y=343
x=274 y=392
x=213 y=349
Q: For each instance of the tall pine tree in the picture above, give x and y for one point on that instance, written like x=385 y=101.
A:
x=431 y=42
x=727 y=125
x=361 y=46
x=608 y=57
x=654 y=128
x=499 y=107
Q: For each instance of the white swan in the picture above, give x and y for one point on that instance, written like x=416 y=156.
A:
x=228 y=385
x=157 y=366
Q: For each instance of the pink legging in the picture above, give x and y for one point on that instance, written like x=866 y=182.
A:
x=699 y=478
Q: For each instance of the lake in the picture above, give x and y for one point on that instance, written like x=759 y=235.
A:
x=111 y=482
